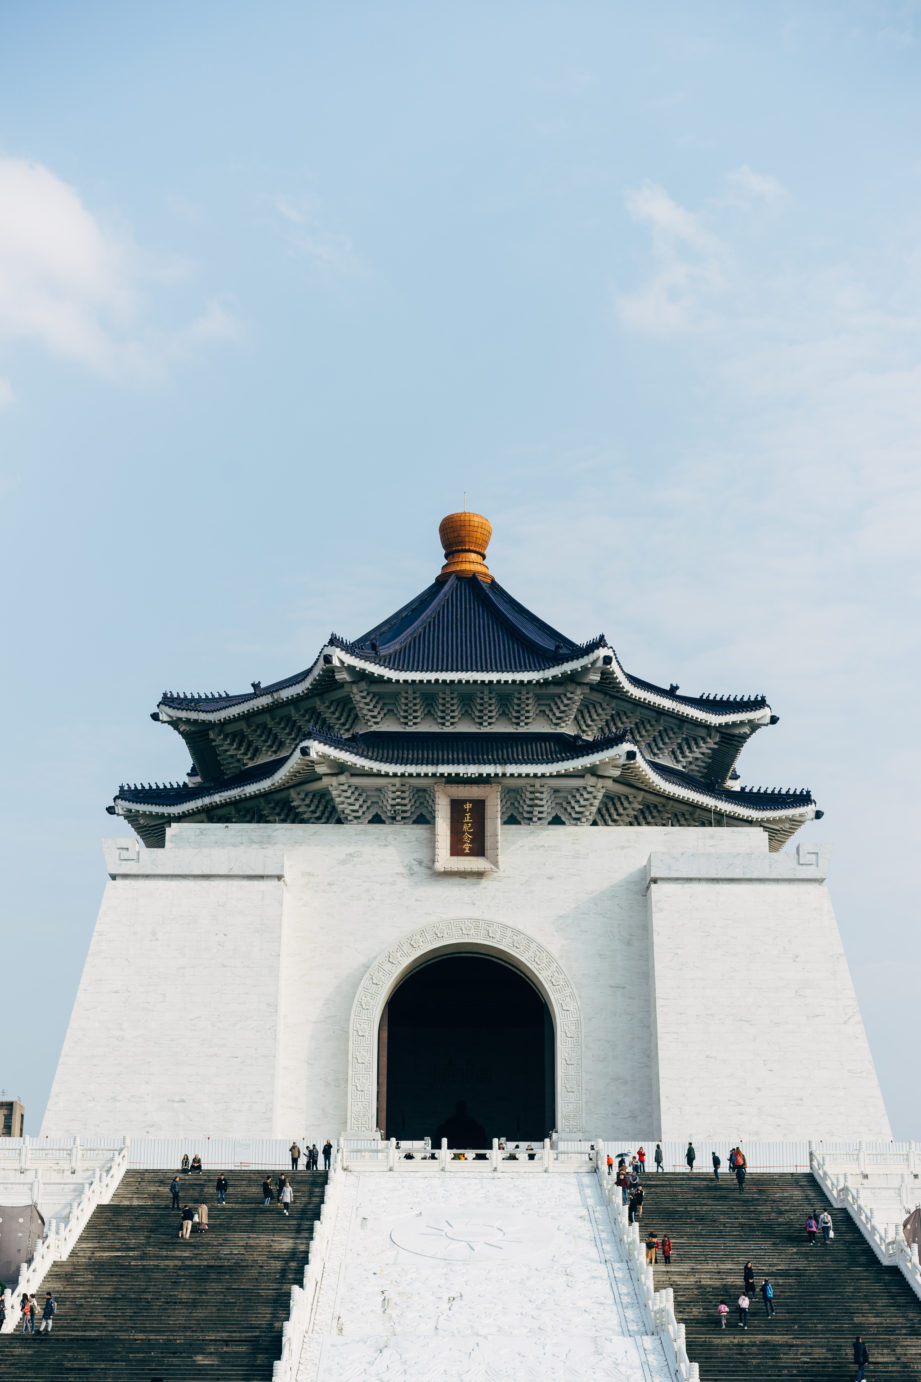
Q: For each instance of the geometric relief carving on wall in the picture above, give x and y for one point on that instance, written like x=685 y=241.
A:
x=489 y=937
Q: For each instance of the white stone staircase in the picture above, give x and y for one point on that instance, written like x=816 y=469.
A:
x=476 y=1277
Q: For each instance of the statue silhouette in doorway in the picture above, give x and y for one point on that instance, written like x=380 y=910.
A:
x=461 y=1130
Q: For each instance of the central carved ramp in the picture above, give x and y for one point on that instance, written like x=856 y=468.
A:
x=475 y=1276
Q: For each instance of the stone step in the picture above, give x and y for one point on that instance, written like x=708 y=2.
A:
x=135 y=1302
x=824 y=1293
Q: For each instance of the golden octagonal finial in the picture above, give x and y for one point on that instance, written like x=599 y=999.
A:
x=465 y=537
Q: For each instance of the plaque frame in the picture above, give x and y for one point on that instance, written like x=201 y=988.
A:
x=445 y=861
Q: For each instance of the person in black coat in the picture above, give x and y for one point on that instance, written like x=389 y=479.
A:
x=861 y=1358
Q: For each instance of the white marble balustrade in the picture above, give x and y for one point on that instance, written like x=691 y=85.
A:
x=879 y=1190
x=62 y=1233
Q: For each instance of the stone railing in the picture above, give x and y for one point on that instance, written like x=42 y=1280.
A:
x=19 y=1156
x=659 y=1306
x=869 y=1158
x=79 y=1155
x=304 y=1298
x=60 y=1236
x=370 y=1154
x=891 y=1249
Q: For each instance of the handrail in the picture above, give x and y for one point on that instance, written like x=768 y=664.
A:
x=366 y=1154
x=59 y=1240
x=659 y=1306
x=304 y=1297
x=892 y=1252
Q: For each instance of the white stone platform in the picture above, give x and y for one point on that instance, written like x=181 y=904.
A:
x=446 y=1278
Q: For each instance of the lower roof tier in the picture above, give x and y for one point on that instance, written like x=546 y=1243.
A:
x=387 y=777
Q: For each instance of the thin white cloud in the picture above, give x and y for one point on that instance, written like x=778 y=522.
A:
x=75 y=287
x=688 y=266
x=670 y=222
x=216 y=323
x=331 y=253
x=808 y=489
x=692 y=253
x=744 y=186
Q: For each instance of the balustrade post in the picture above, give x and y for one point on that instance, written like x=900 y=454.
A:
x=23 y=1157
x=75 y=1156
x=444 y=1154
x=494 y=1154
x=913 y=1158
x=862 y=1158
x=392 y=1154
x=546 y=1153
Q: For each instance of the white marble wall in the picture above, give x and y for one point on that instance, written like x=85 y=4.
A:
x=758 y=1031
x=175 y=1023
x=218 y=989
x=578 y=892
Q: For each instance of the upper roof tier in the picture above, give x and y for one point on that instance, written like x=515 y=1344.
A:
x=463 y=627
x=465 y=623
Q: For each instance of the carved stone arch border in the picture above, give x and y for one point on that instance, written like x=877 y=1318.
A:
x=465 y=936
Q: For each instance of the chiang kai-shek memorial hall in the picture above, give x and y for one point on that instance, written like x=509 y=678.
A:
x=465 y=874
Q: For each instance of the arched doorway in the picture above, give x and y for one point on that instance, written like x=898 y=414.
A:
x=466 y=1051
x=462 y=936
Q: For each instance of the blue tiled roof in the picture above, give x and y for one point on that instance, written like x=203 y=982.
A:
x=463 y=626
x=403 y=748
x=746 y=796
x=169 y=793
x=222 y=700
x=466 y=625
x=406 y=747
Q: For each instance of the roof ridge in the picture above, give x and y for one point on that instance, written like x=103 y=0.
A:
x=428 y=613
x=553 y=635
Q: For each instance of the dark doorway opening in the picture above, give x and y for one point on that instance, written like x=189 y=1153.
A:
x=466 y=1052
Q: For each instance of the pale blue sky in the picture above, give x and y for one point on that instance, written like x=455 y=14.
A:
x=279 y=282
